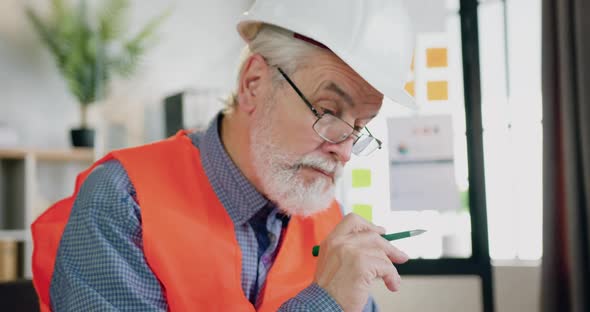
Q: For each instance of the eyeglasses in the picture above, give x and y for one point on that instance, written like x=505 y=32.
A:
x=335 y=130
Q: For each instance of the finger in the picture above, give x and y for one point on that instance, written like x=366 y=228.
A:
x=395 y=255
x=388 y=273
x=371 y=240
x=377 y=265
x=353 y=223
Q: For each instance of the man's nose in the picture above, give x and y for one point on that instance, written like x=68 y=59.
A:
x=341 y=151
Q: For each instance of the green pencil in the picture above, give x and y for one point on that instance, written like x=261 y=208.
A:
x=390 y=237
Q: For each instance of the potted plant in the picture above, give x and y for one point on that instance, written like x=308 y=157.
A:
x=90 y=50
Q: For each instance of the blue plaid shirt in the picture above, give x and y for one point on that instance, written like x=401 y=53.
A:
x=100 y=265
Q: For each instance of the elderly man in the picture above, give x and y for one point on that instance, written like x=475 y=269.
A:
x=225 y=220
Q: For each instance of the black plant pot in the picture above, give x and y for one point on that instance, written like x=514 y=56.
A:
x=82 y=137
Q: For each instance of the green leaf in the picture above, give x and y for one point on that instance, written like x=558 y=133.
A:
x=111 y=20
x=82 y=51
x=148 y=31
x=59 y=10
x=46 y=35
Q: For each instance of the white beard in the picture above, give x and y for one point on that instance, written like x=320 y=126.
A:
x=279 y=171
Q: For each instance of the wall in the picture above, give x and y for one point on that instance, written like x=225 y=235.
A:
x=516 y=289
x=198 y=46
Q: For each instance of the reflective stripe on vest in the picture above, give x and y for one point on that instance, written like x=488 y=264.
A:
x=189 y=239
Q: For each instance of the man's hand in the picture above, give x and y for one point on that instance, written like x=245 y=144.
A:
x=352 y=257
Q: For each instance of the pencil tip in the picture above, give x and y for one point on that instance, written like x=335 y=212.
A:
x=416 y=232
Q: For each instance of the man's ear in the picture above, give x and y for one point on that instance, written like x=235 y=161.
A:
x=251 y=87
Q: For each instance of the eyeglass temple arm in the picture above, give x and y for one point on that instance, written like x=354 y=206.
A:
x=315 y=112
x=378 y=141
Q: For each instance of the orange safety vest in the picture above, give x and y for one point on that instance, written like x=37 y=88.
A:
x=189 y=239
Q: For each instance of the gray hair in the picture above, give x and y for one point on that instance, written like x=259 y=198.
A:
x=279 y=48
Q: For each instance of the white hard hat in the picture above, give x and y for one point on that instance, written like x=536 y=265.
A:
x=374 y=37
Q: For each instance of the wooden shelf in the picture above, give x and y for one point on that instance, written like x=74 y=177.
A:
x=73 y=154
x=12 y=154
x=26 y=178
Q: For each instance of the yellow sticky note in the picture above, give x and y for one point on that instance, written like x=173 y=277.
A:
x=361 y=178
x=365 y=211
x=437 y=90
x=410 y=88
x=436 y=57
x=412 y=64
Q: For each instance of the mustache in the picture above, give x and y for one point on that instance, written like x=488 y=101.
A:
x=327 y=165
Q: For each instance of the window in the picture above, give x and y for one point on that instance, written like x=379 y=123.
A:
x=510 y=54
x=511 y=104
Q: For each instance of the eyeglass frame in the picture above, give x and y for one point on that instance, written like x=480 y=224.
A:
x=319 y=116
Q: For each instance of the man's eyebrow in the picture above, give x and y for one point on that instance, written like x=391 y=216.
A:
x=347 y=98
x=335 y=88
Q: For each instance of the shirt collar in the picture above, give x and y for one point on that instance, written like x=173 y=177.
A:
x=239 y=197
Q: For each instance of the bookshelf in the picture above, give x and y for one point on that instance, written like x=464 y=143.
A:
x=30 y=181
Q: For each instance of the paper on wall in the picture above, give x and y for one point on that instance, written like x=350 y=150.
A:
x=422 y=172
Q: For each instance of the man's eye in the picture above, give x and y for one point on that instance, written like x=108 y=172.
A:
x=328 y=111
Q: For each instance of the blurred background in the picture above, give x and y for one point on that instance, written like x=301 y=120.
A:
x=190 y=66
